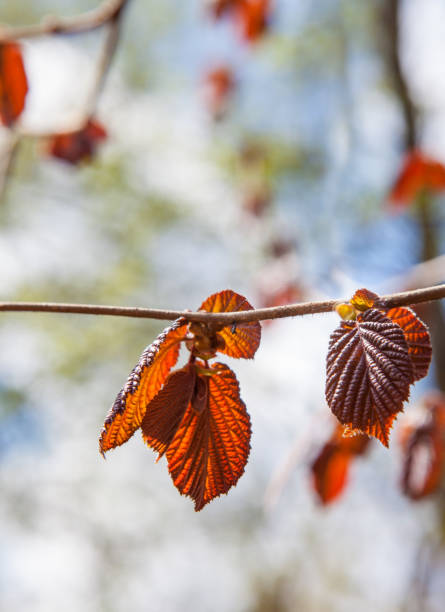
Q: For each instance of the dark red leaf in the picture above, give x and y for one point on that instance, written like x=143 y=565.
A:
x=77 y=146
x=369 y=372
x=13 y=83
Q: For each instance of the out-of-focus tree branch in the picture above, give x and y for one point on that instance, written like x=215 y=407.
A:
x=107 y=15
x=107 y=11
x=424 y=206
x=391 y=18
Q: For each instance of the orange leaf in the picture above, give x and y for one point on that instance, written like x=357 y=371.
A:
x=369 y=372
x=242 y=340
x=253 y=18
x=363 y=299
x=330 y=472
x=165 y=411
x=417 y=337
x=419 y=172
x=330 y=467
x=13 y=83
x=144 y=382
x=74 y=147
x=209 y=452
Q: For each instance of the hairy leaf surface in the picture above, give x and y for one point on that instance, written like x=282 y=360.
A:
x=13 y=83
x=242 y=340
x=369 y=372
x=144 y=382
x=209 y=452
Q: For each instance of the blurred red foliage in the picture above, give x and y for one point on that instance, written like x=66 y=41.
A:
x=13 y=83
x=77 y=146
x=423 y=447
x=251 y=16
x=331 y=465
x=219 y=84
x=418 y=172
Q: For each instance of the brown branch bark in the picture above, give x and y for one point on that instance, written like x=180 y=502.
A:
x=261 y=314
x=85 y=22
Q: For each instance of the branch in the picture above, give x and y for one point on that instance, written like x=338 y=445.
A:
x=392 y=18
x=278 y=312
x=108 y=51
x=86 y=22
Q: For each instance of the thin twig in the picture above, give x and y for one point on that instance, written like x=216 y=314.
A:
x=277 y=312
x=7 y=162
x=107 y=55
x=85 y=22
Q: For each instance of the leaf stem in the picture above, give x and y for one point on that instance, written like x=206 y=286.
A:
x=406 y=298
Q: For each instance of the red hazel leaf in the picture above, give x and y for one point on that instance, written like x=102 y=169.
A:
x=329 y=473
x=241 y=340
x=209 y=452
x=331 y=466
x=166 y=410
x=13 y=83
x=419 y=172
x=417 y=337
x=253 y=18
x=144 y=382
x=80 y=145
x=369 y=372
x=416 y=333
x=195 y=415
